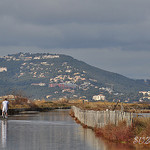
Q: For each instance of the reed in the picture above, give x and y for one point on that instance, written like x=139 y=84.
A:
x=100 y=106
x=126 y=134
x=142 y=126
x=120 y=133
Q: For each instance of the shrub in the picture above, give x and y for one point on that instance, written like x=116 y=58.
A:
x=119 y=133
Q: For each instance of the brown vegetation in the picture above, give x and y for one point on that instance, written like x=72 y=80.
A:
x=142 y=126
x=127 y=107
x=138 y=133
x=71 y=113
x=121 y=132
x=24 y=103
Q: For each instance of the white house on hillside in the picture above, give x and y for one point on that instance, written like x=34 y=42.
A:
x=99 y=97
x=2 y=69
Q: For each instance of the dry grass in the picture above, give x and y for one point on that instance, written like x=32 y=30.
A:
x=127 y=107
x=119 y=133
x=123 y=133
x=21 y=103
x=97 y=106
x=71 y=113
x=142 y=126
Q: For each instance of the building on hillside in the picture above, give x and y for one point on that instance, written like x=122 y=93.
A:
x=2 y=69
x=145 y=92
x=48 y=96
x=68 y=71
x=9 y=97
x=39 y=84
x=68 y=90
x=63 y=85
x=99 y=97
x=37 y=57
x=148 y=97
x=50 y=56
x=27 y=58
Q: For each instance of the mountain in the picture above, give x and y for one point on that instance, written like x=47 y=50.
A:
x=44 y=75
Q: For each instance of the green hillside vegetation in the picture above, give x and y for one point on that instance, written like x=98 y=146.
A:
x=26 y=71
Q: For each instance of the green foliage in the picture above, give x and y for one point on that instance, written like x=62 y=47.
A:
x=20 y=75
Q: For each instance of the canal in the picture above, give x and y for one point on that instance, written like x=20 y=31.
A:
x=54 y=130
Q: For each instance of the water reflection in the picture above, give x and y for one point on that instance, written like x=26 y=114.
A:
x=54 y=130
x=3 y=133
x=97 y=143
x=89 y=136
x=45 y=131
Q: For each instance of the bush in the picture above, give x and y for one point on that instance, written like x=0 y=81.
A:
x=119 y=133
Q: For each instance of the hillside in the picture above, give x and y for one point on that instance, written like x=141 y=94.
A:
x=55 y=76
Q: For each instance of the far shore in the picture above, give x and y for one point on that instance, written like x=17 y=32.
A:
x=24 y=104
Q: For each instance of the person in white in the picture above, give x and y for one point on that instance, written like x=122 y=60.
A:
x=4 y=107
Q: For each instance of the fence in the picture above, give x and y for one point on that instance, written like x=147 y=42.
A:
x=101 y=118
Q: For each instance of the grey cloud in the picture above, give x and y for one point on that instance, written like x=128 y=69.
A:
x=62 y=11
x=75 y=23
x=75 y=35
x=100 y=30
x=133 y=64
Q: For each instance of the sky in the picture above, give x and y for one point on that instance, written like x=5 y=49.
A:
x=113 y=35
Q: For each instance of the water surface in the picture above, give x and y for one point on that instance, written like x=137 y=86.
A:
x=54 y=130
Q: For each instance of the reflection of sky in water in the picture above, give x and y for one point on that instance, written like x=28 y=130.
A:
x=89 y=137
x=54 y=130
